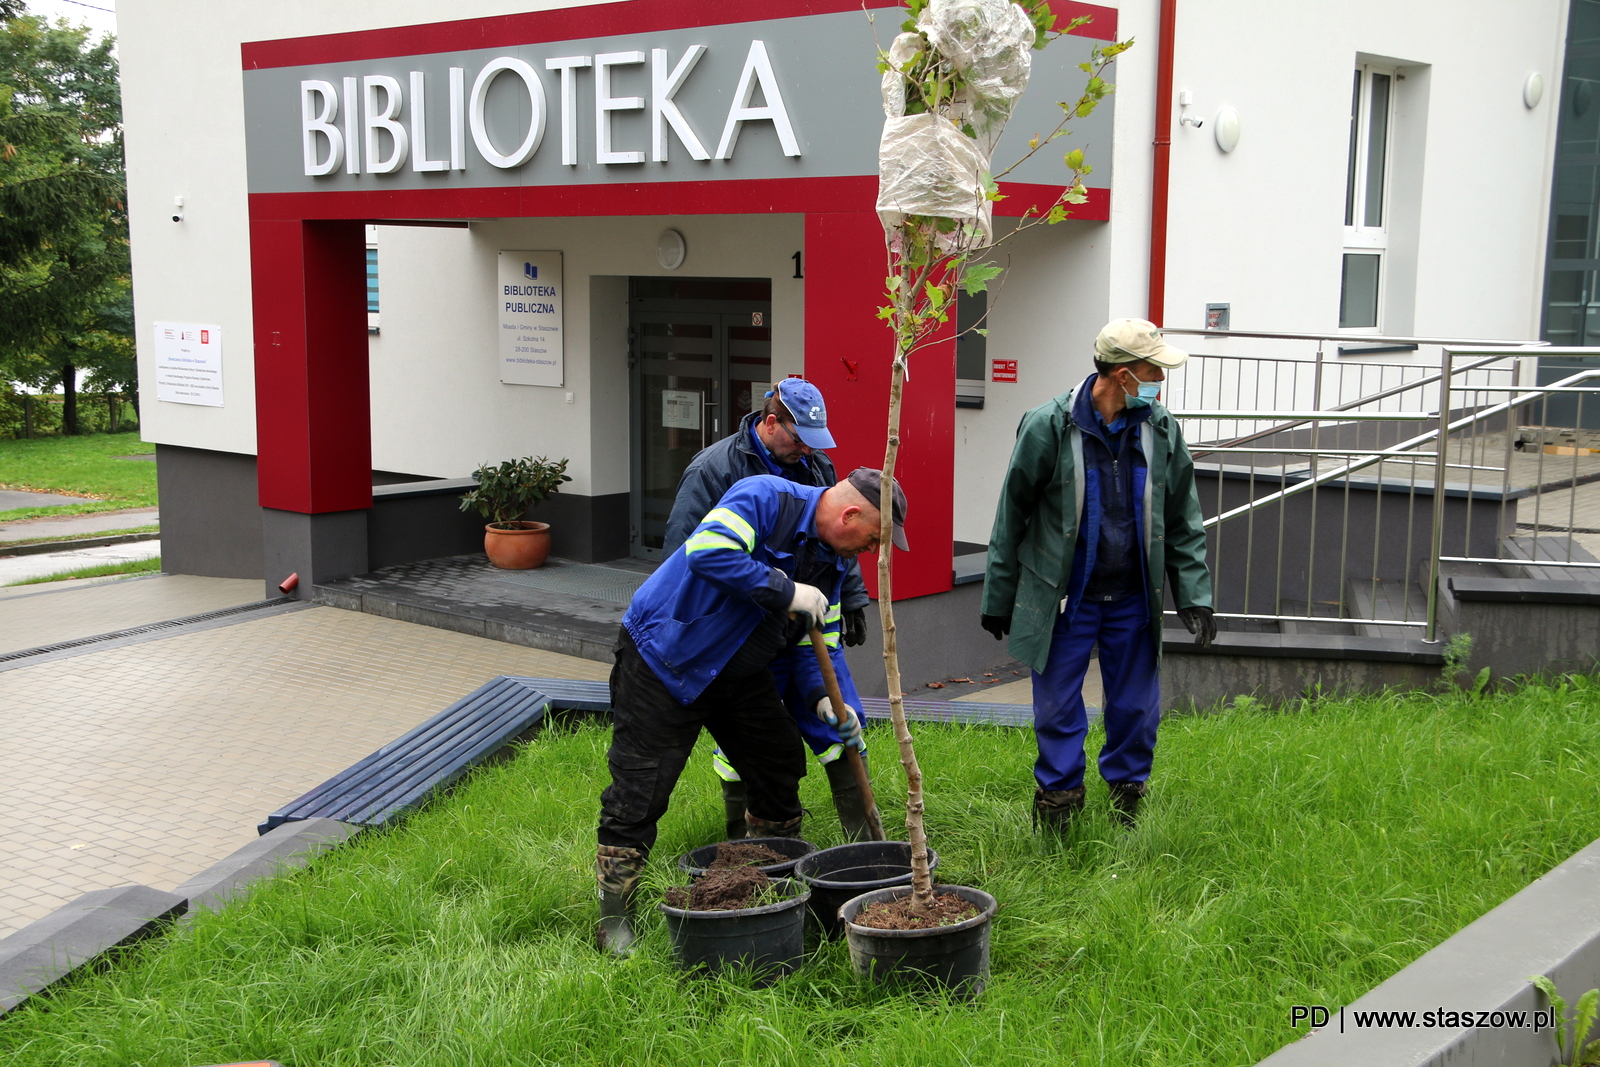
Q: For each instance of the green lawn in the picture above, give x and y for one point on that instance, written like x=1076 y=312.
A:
x=87 y=466
x=1285 y=857
x=102 y=570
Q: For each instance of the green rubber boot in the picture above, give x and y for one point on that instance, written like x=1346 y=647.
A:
x=1054 y=809
x=733 y=802
x=759 y=827
x=617 y=870
x=1125 y=797
x=848 y=801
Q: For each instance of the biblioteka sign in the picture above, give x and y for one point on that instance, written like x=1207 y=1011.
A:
x=357 y=125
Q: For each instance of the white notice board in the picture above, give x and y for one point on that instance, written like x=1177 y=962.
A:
x=528 y=295
x=189 y=363
x=680 y=409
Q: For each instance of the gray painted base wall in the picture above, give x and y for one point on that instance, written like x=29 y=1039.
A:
x=210 y=518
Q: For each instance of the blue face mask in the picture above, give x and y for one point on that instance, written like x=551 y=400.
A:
x=1148 y=391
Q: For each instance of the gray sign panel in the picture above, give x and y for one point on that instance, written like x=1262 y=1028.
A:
x=824 y=68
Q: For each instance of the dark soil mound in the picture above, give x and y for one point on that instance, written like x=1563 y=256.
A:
x=723 y=890
x=947 y=909
x=739 y=854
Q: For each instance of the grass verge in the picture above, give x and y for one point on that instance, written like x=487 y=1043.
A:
x=138 y=566
x=79 y=466
x=80 y=536
x=1282 y=858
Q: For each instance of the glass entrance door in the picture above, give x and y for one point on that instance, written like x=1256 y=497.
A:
x=698 y=368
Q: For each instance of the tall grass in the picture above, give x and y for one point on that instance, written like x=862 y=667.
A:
x=1282 y=858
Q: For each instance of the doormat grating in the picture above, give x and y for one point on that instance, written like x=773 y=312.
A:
x=584 y=580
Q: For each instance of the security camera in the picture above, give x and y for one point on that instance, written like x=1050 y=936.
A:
x=177 y=209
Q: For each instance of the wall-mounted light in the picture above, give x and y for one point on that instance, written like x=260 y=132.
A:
x=1533 y=89
x=1226 y=125
x=671 y=249
x=177 y=209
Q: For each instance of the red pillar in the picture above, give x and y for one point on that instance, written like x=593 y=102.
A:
x=848 y=355
x=313 y=417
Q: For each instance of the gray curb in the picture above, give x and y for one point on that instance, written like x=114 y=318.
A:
x=285 y=848
x=38 y=547
x=1552 y=927
x=82 y=933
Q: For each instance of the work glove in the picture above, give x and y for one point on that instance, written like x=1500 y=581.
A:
x=810 y=602
x=1200 y=623
x=999 y=625
x=848 y=724
x=855 y=627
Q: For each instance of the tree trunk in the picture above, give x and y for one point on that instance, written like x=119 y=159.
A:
x=921 y=877
x=113 y=401
x=69 y=399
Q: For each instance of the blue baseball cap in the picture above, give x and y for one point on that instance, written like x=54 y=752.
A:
x=804 y=402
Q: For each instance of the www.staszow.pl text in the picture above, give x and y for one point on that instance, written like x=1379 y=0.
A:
x=1434 y=1018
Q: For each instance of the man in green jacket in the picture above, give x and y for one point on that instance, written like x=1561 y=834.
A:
x=1098 y=518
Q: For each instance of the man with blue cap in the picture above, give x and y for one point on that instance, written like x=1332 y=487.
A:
x=784 y=438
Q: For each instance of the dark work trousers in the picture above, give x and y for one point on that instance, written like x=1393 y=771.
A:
x=653 y=735
x=1132 y=706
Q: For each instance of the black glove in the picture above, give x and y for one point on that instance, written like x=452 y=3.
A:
x=855 y=627
x=999 y=625
x=1199 y=622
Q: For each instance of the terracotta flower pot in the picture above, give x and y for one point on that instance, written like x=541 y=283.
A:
x=524 y=546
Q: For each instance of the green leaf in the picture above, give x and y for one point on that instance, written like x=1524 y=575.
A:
x=1074 y=159
x=1480 y=683
x=1548 y=988
x=893 y=282
x=1588 y=1004
x=936 y=296
x=886 y=312
x=977 y=277
x=1057 y=214
x=983 y=332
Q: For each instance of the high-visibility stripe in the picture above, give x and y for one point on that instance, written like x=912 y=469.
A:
x=735 y=523
x=829 y=754
x=830 y=638
x=710 y=539
x=724 y=769
x=835 y=613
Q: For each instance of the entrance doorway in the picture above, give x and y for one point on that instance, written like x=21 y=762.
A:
x=700 y=359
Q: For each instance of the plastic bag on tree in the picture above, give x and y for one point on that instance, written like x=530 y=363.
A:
x=928 y=167
x=990 y=43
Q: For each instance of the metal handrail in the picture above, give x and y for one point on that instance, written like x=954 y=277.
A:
x=1446 y=422
x=1458 y=343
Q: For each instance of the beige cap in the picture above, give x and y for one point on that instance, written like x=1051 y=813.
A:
x=1127 y=340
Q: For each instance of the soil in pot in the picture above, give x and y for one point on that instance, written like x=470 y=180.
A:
x=741 y=854
x=843 y=872
x=945 y=910
x=786 y=851
x=954 y=956
x=727 y=889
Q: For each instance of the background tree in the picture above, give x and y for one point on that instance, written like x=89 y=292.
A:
x=63 y=222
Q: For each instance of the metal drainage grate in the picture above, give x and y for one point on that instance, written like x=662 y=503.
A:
x=583 y=580
x=169 y=624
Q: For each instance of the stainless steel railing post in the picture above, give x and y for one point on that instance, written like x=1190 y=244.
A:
x=1441 y=454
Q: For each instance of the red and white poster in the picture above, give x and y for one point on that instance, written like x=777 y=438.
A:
x=1003 y=370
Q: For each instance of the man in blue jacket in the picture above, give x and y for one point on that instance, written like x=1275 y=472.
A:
x=696 y=649
x=784 y=438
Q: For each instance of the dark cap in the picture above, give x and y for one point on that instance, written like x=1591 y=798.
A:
x=868 y=481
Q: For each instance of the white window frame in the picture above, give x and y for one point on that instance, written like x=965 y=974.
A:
x=1358 y=237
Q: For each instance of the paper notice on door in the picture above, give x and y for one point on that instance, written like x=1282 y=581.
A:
x=680 y=409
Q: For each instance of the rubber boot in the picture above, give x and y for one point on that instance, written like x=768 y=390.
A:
x=618 y=871
x=759 y=827
x=1054 y=809
x=1125 y=801
x=733 y=802
x=848 y=801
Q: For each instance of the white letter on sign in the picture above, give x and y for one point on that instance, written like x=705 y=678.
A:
x=419 y=126
x=352 y=135
x=314 y=121
x=605 y=104
x=383 y=120
x=663 y=87
x=757 y=68
x=568 y=66
x=480 y=93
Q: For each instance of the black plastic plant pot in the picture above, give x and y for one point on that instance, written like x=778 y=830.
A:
x=844 y=871
x=955 y=956
x=770 y=939
x=698 y=862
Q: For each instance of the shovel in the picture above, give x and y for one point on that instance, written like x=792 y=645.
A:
x=851 y=756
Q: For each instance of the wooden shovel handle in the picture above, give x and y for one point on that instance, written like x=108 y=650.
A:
x=852 y=758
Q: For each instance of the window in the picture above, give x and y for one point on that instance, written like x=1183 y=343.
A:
x=372 y=289
x=972 y=348
x=1572 y=278
x=1366 y=195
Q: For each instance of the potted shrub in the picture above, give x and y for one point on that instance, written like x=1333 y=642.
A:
x=504 y=494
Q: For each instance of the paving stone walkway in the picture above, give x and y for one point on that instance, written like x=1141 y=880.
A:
x=148 y=762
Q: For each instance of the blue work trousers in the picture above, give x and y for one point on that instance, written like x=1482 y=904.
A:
x=1132 y=706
